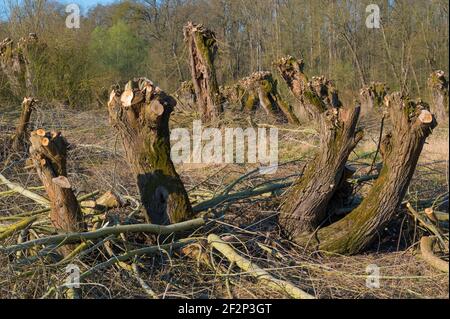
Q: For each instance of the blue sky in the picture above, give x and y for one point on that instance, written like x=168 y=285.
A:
x=87 y=3
x=84 y=4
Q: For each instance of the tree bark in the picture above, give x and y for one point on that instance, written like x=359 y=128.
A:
x=372 y=97
x=21 y=135
x=412 y=124
x=438 y=86
x=48 y=151
x=313 y=195
x=15 y=62
x=202 y=47
x=259 y=89
x=140 y=113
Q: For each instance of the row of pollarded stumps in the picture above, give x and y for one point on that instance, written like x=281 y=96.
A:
x=314 y=198
x=259 y=89
x=15 y=62
x=140 y=112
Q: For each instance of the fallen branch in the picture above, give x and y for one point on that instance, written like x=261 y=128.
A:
x=428 y=225
x=226 y=198
x=426 y=249
x=71 y=238
x=136 y=252
x=8 y=231
x=25 y=192
x=257 y=272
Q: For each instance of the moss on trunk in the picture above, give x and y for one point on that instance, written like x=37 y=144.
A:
x=412 y=123
x=16 y=63
x=438 y=87
x=202 y=47
x=140 y=112
x=310 y=200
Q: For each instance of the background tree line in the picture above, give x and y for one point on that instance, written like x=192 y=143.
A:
x=144 y=38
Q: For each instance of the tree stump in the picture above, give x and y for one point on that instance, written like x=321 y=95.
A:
x=259 y=89
x=140 y=113
x=202 y=46
x=412 y=124
x=21 y=136
x=312 y=197
x=48 y=152
x=438 y=87
x=15 y=62
x=372 y=97
x=302 y=89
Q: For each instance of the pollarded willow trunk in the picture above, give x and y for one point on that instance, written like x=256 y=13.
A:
x=412 y=123
x=15 y=62
x=313 y=197
x=372 y=97
x=48 y=152
x=202 y=47
x=438 y=86
x=259 y=89
x=291 y=71
x=140 y=112
x=21 y=135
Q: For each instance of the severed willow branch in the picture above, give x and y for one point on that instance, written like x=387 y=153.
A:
x=263 y=276
x=71 y=238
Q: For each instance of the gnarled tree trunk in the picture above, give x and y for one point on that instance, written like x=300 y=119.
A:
x=141 y=114
x=48 y=152
x=438 y=86
x=372 y=96
x=21 y=135
x=15 y=62
x=291 y=71
x=202 y=47
x=259 y=89
x=412 y=123
x=311 y=198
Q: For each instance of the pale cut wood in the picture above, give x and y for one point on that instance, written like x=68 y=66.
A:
x=426 y=249
x=263 y=276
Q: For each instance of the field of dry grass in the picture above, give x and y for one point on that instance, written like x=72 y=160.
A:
x=96 y=163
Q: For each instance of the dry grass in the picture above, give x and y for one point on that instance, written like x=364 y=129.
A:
x=96 y=162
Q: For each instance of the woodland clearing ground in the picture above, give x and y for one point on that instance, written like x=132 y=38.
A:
x=96 y=162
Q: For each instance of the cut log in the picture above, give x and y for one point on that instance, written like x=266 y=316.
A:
x=202 y=47
x=15 y=62
x=259 y=89
x=20 y=138
x=143 y=125
x=400 y=150
x=438 y=87
x=372 y=97
x=313 y=196
x=254 y=270
x=49 y=159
